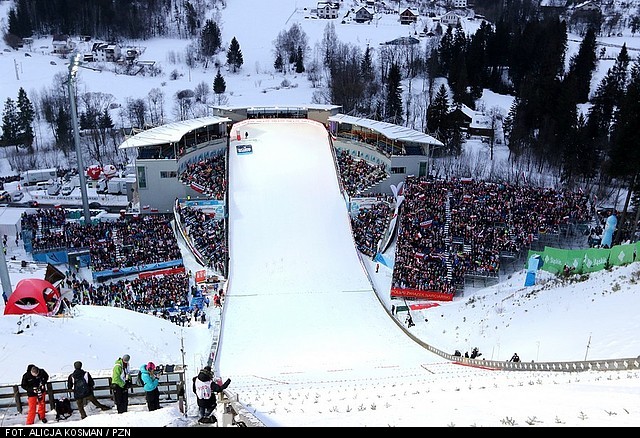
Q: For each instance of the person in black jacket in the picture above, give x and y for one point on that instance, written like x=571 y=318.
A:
x=205 y=387
x=82 y=384
x=34 y=382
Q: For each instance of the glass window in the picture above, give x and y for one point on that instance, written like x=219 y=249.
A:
x=142 y=177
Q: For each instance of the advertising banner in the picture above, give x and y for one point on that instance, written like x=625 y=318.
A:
x=621 y=255
x=595 y=259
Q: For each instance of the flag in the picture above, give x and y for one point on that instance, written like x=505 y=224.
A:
x=197 y=187
x=426 y=224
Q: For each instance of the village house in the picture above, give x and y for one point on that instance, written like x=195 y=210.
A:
x=408 y=16
x=363 y=15
x=471 y=122
x=451 y=18
x=328 y=10
x=62 y=44
x=105 y=52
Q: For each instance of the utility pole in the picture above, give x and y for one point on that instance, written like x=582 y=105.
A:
x=588 y=345
x=7 y=289
x=74 y=64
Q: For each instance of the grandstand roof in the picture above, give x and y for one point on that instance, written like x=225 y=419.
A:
x=169 y=133
x=389 y=130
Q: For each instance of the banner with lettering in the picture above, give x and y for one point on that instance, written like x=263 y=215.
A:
x=554 y=259
x=595 y=259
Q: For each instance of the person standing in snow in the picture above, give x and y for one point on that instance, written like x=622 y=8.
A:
x=121 y=382
x=82 y=384
x=205 y=387
x=150 y=380
x=34 y=382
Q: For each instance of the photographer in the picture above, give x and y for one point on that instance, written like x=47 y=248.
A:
x=149 y=374
x=34 y=382
x=205 y=387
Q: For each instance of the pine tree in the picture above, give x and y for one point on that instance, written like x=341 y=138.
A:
x=63 y=131
x=300 y=61
x=10 y=123
x=438 y=110
x=278 y=64
x=191 y=18
x=234 y=55
x=210 y=39
x=393 y=110
x=219 y=85
x=582 y=66
x=625 y=154
x=605 y=99
x=26 y=116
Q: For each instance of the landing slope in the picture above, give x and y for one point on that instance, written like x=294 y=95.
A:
x=299 y=302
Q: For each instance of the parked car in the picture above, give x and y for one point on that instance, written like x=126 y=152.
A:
x=53 y=189
x=17 y=196
x=67 y=189
x=5 y=197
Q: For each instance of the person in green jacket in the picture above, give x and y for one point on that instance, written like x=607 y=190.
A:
x=121 y=382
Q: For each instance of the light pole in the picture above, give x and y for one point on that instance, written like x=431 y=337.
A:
x=74 y=64
x=5 y=280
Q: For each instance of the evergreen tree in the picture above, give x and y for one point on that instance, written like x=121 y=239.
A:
x=210 y=39
x=582 y=66
x=605 y=100
x=63 y=131
x=300 y=61
x=234 y=55
x=371 y=86
x=14 y=24
x=219 y=85
x=105 y=121
x=278 y=64
x=191 y=18
x=23 y=26
x=437 y=111
x=26 y=116
x=459 y=81
x=624 y=156
x=329 y=42
x=393 y=104
x=10 y=123
x=446 y=49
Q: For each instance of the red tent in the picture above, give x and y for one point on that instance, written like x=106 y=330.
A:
x=33 y=295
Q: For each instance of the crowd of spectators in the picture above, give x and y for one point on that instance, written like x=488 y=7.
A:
x=448 y=229
x=165 y=296
x=207 y=176
x=452 y=228
x=127 y=242
x=357 y=174
x=369 y=226
x=207 y=233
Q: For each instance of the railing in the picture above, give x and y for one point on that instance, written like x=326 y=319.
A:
x=171 y=387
